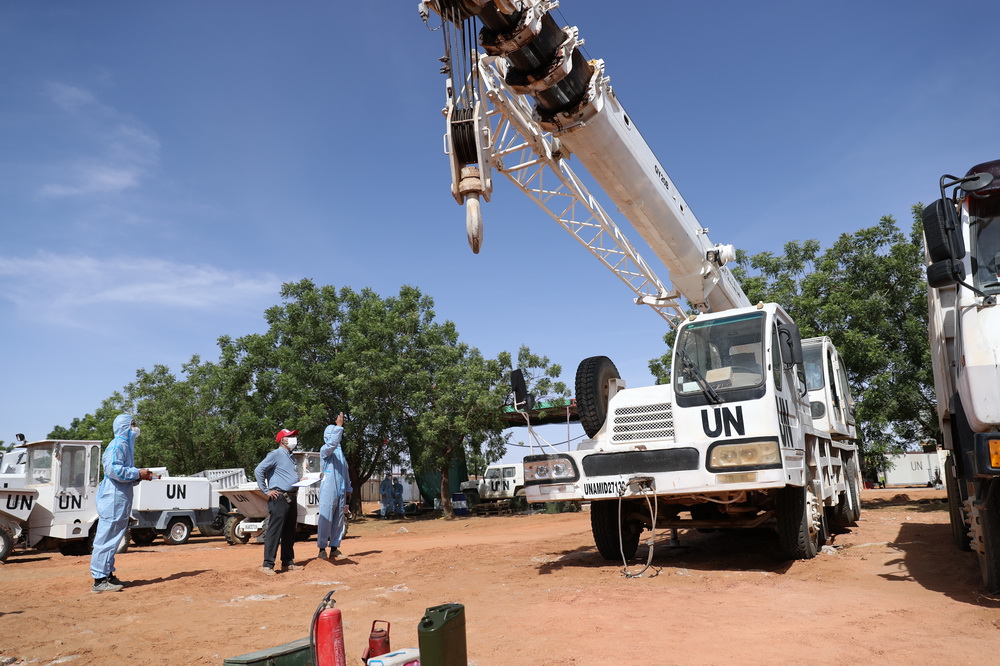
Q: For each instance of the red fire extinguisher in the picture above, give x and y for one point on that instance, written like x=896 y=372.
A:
x=378 y=642
x=326 y=635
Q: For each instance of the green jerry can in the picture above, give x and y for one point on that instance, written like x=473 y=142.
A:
x=441 y=636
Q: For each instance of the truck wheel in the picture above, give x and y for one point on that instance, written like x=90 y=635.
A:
x=233 y=533
x=142 y=536
x=178 y=531
x=989 y=527
x=606 y=528
x=844 y=515
x=6 y=542
x=592 y=377
x=799 y=522
x=216 y=527
x=959 y=528
x=122 y=545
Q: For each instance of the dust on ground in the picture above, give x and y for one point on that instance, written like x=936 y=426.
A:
x=893 y=590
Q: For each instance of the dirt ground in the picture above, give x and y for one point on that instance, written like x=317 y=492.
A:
x=892 y=590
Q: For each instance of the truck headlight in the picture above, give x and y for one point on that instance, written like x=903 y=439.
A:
x=549 y=468
x=745 y=455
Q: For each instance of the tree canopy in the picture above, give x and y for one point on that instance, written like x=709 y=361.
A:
x=410 y=389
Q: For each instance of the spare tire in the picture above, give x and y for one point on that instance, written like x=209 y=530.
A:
x=592 y=376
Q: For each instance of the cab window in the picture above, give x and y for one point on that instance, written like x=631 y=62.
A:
x=40 y=464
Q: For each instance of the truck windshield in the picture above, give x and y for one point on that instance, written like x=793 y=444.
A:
x=986 y=243
x=40 y=464
x=812 y=357
x=727 y=353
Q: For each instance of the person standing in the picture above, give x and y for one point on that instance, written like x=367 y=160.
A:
x=385 y=492
x=276 y=477
x=114 y=502
x=334 y=490
x=397 y=497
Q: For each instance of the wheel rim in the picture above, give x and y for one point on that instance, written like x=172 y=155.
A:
x=178 y=531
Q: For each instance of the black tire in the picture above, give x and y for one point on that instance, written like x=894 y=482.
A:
x=989 y=525
x=123 y=544
x=592 y=377
x=232 y=532
x=178 y=532
x=6 y=543
x=216 y=527
x=842 y=514
x=799 y=532
x=959 y=528
x=606 y=529
x=143 y=536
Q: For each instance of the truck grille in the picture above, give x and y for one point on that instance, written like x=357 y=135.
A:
x=630 y=424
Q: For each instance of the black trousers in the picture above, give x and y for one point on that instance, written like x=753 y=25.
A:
x=280 y=529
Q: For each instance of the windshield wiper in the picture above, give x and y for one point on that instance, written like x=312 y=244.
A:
x=690 y=367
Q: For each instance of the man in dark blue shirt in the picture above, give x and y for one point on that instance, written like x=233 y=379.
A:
x=276 y=477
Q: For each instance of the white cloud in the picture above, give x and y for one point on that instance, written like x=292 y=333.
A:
x=124 y=151
x=70 y=289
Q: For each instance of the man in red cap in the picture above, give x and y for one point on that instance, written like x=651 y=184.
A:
x=276 y=477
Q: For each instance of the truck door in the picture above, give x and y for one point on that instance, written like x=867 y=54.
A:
x=493 y=483
x=74 y=501
x=786 y=392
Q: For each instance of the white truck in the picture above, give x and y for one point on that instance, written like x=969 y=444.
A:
x=500 y=482
x=740 y=436
x=962 y=249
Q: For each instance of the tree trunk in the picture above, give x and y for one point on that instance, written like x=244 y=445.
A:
x=447 y=510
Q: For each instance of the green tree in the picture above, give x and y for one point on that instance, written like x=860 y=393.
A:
x=96 y=426
x=455 y=406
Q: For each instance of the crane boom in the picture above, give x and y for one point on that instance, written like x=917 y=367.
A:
x=575 y=112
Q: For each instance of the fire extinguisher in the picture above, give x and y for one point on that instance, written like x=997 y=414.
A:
x=378 y=642
x=326 y=635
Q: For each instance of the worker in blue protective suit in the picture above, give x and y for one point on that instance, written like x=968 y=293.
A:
x=334 y=490
x=397 y=497
x=114 y=502
x=385 y=492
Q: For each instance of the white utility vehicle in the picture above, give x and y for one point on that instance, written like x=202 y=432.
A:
x=56 y=503
x=172 y=506
x=248 y=516
x=501 y=481
x=733 y=439
x=962 y=248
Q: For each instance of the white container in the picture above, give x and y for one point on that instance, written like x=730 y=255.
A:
x=404 y=657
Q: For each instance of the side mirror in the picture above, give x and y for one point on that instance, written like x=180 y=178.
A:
x=945 y=273
x=791 y=342
x=941 y=234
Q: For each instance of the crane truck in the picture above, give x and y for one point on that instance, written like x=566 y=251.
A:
x=756 y=426
x=962 y=250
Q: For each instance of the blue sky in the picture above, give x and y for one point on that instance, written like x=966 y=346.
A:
x=164 y=167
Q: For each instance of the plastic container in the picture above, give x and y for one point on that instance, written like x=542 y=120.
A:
x=405 y=657
x=441 y=635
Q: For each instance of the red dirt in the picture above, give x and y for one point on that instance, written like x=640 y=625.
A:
x=893 y=591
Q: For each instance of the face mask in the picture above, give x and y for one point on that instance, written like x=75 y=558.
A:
x=135 y=431
x=291 y=443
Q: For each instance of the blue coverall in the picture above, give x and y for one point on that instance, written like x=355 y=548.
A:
x=333 y=488
x=385 y=490
x=114 y=497
x=397 y=497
